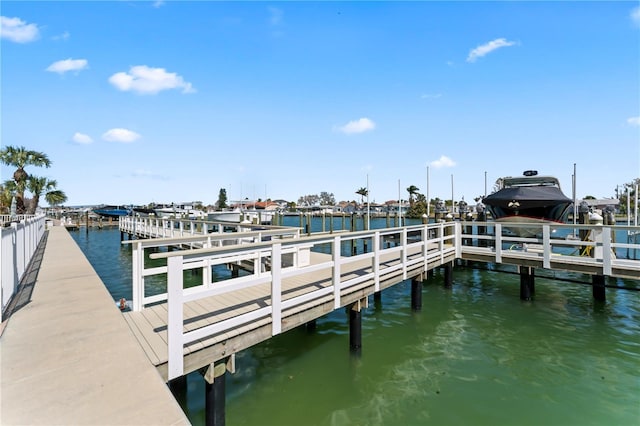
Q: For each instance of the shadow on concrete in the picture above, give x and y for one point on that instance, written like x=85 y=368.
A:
x=27 y=283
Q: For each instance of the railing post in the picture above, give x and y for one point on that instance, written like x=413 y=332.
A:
x=498 y=242
x=175 y=327
x=458 y=239
x=441 y=242
x=546 y=246
x=376 y=260
x=276 y=289
x=137 y=265
x=425 y=245
x=336 y=271
x=606 y=250
x=403 y=242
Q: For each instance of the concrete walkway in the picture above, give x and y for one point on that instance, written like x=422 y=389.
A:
x=68 y=357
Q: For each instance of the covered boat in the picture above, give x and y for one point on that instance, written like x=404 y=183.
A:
x=112 y=211
x=528 y=199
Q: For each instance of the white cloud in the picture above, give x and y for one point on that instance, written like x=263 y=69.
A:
x=81 y=138
x=357 y=126
x=443 y=161
x=145 y=80
x=487 y=48
x=15 y=29
x=68 y=65
x=120 y=135
x=64 y=36
x=633 y=121
x=635 y=15
x=158 y=3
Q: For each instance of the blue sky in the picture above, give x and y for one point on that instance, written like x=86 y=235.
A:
x=138 y=102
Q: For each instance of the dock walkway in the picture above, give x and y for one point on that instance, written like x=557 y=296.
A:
x=68 y=356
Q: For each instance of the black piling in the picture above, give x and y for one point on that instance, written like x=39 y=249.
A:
x=377 y=299
x=311 y=326
x=355 y=329
x=598 y=285
x=527 y=288
x=448 y=274
x=429 y=274
x=215 y=391
x=416 y=294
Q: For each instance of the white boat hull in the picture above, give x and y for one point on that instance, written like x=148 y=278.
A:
x=523 y=226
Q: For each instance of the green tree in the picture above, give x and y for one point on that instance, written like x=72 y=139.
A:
x=20 y=157
x=222 y=199
x=327 y=199
x=39 y=185
x=630 y=187
x=412 y=190
x=55 y=197
x=7 y=190
x=419 y=206
x=362 y=192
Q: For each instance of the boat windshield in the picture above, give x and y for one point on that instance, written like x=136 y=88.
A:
x=531 y=181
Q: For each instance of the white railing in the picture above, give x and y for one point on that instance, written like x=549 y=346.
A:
x=410 y=248
x=6 y=218
x=19 y=243
x=571 y=245
x=390 y=253
x=176 y=228
x=201 y=240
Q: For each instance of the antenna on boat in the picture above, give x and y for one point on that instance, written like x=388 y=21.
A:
x=575 y=205
x=428 y=201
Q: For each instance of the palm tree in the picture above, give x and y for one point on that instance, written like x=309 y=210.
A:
x=362 y=192
x=412 y=190
x=38 y=185
x=7 y=189
x=20 y=157
x=55 y=197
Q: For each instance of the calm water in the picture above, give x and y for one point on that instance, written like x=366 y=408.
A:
x=474 y=355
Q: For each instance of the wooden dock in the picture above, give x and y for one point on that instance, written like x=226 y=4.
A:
x=183 y=330
x=68 y=356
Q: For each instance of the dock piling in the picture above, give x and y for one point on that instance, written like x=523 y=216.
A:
x=526 y=282
x=215 y=393
x=598 y=285
x=416 y=294
x=355 y=326
x=448 y=274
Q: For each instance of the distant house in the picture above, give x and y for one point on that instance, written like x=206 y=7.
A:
x=283 y=204
x=257 y=205
x=348 y=207
x=393 y=206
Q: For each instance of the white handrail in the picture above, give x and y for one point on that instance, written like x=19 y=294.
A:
x=178 y=261
x=420 y=245
x=19 y=243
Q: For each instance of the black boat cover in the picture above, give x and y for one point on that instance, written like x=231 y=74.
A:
x=528 y=196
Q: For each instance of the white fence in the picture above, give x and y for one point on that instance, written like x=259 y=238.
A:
x=392 y=251
x=578 y=248
x=19 y=243
x=387 y=253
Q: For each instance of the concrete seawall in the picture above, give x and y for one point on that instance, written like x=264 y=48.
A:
x=68 y=356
